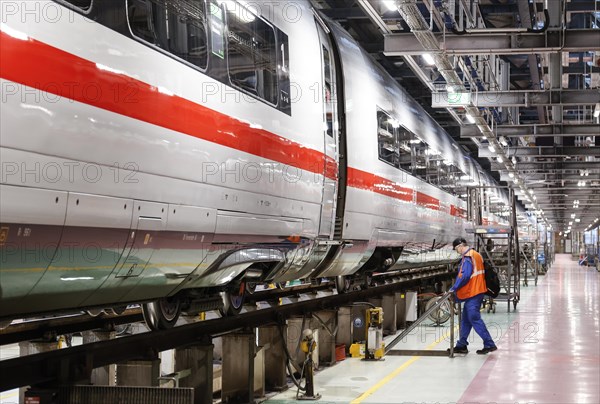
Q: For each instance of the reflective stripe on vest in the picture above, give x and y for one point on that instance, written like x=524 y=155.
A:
x=476 y=284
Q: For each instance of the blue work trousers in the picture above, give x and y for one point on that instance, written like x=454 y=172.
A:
x=471 y=318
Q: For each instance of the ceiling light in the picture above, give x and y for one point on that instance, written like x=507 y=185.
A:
x=500 y=159
x=503 y=141
x=391 y=5
x=534 y=197
x=491 y=148
x=577 y=220
x=511 y=175
x=429 y=60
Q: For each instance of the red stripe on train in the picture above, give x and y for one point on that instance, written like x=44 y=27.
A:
x=371 y=182
x=61 y=73
x=41 y=66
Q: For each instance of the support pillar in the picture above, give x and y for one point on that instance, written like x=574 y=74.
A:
x=400 y=310
x=106 y=375
x=388 y=304
x=198 y=359
x=140 y=373
x=344 y=334
x=30 y=348
x=326 y=324
x=238 y=368
x=275 y=359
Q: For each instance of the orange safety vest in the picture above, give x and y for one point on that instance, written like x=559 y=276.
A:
x=476 y=284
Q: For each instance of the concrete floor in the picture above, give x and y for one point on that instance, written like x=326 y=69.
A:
x=549 y=352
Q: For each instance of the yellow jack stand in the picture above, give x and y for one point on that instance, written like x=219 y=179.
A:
x=374 y=345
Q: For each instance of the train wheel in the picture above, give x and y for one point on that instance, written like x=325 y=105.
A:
x=233 y=300
x=442 y=314
x=162 y=314
x=342 y=284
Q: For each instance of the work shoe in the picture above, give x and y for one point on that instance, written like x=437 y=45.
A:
x=459 y=349
x=486 y=350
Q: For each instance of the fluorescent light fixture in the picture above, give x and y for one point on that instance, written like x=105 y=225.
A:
x=577 y=220
x=429 y=60
x=470 y=118
x=511 y=175
x=491 y=148
x=391 y=5
x=535 y=197
x=503 y=141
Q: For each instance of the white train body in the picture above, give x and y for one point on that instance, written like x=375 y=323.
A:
x=129 y=174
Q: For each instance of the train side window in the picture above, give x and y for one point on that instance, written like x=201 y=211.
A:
x=178 y=27
x=327 y=91
x=251 y=53
x=81 y=4
x=420 y=154
x=406 y=140
x=387 y=137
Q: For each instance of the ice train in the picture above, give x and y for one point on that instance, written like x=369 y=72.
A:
x=168 y=151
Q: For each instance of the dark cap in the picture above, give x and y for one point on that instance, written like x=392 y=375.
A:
x=458 y=241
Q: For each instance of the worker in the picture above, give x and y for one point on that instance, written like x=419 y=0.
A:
x=470 y=288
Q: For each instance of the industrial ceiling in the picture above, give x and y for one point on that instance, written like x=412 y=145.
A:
x=516 y=82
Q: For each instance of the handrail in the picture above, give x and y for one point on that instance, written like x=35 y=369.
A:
x=446 y=296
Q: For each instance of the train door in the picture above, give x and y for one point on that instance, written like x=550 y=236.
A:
x=328 y=95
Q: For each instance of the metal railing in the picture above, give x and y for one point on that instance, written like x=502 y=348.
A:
x=446 y=297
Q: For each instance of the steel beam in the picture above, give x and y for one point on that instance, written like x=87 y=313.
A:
x=545 y=151
x=587 y=129
x=589 y=6
x=527 y=98
x=499 y=43
x=73 y=364
x=536 y=165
